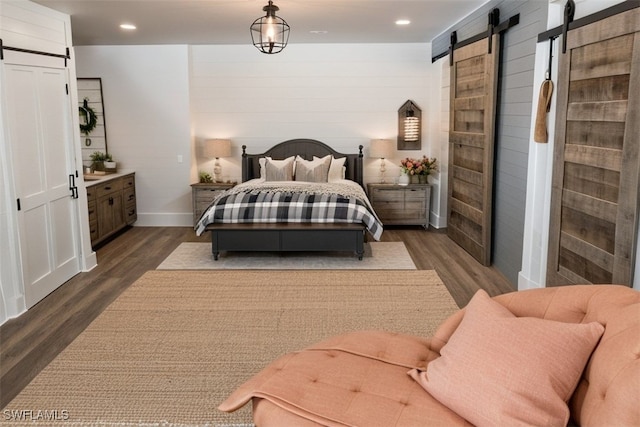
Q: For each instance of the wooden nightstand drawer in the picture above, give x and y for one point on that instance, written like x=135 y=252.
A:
x=387 y=195
x=398 y=205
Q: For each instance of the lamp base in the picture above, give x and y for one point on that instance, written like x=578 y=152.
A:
x=217 y=171
x=383 y=169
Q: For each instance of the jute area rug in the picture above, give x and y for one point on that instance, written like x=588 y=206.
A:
x=377 y=256
x=176 y=343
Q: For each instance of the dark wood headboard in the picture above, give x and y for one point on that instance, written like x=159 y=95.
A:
x=305 y=148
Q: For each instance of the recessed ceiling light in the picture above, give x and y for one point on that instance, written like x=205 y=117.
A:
x=127 y=26
x=318 y=31
x=403 y=22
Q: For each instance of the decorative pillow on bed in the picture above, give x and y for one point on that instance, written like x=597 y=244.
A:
x=498 y=369
x=263 y=160
x=279 y=170
x=337 y=169
x=316 y=170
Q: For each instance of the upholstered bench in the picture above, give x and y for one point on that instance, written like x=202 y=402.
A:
x=543 y=356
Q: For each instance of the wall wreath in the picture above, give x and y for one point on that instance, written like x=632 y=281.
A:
x=88 y=116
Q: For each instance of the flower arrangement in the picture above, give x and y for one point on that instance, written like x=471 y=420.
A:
x=423 y=166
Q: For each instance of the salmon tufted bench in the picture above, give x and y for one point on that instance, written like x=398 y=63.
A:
x=377 y=378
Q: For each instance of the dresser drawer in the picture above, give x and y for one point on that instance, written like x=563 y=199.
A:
x=129 y=181
x=130 y=213
x=93 y=213
x=110 y=187
x=129 y=195
x=91 y=194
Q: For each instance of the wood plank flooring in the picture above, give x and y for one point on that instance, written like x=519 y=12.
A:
x=31 y=341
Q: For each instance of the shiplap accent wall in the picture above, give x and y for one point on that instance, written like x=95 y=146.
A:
x=343 y=95
x=162 y=102
x=513 y=120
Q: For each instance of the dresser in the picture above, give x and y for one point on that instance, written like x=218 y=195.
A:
x=112 y=205
x=202 y=194
x=401 y=204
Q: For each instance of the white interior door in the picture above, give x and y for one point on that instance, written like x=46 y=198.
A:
x=40 y=142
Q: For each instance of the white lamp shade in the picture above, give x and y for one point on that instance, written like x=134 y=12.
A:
x=217 y=148
x=381 y=148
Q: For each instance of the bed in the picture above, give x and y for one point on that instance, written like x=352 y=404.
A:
x=240 y=233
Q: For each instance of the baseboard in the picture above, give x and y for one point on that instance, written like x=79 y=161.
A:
x=164 y=220
x=437 y=221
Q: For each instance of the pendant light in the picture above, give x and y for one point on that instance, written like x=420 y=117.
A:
x=270 y=33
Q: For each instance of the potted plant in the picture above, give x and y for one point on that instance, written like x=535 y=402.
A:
x=109 y=163
x=97 y=160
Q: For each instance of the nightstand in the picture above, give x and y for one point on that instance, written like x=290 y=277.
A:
x=401 y=204
x=203 y=194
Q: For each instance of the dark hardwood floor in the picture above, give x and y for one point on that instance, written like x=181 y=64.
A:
x=31 y=341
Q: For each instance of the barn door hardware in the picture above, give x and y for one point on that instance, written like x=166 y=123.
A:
x=454 y=39
x=569 y=12
x=494 y=21
x=72 y=186
x=589 y=19
x=493 y=26
x=65 y=56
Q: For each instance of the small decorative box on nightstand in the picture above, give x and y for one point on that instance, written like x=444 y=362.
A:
x=401 y=204
x=203 y=194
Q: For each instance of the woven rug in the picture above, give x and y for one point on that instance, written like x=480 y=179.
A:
x=377 y=256
x=176 y=343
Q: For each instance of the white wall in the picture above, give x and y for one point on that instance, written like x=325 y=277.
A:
x=162 y=102
x=343 y=95
x=146 y=101
x=536 y=233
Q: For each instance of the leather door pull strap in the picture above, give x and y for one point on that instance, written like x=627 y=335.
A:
x=540 y=133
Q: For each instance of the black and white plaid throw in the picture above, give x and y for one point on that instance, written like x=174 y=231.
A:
x=268 y=202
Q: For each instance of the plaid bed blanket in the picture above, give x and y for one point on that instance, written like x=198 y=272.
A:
x=294 y=202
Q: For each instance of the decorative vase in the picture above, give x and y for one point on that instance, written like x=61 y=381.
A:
x=415 y=179
x=403 y=179
x=422 y=179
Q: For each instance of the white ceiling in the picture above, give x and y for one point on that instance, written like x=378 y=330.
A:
x=96 y=22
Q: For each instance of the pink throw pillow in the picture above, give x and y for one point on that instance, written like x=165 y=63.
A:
x=498 y=369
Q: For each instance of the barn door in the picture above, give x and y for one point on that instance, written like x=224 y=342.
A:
x=594 y=199
x=40 y=129
x=474 y=77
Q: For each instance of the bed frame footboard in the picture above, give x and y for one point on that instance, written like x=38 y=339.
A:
x=287 y=238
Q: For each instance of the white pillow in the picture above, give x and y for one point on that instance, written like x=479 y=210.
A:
x=337 y=168
x=279 y=170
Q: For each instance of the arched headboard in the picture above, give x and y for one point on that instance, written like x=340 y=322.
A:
x=305 y=148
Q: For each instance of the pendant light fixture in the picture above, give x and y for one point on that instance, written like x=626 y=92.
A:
x=270 y=33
